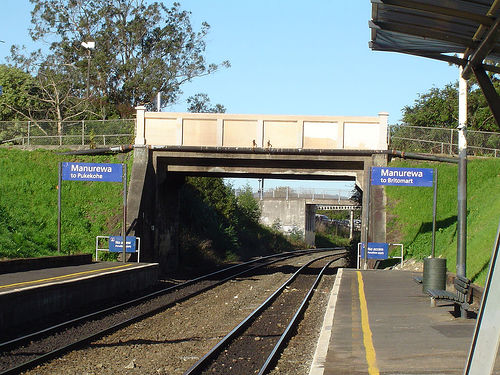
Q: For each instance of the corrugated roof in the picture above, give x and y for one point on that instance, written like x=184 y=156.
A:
x=440 y=30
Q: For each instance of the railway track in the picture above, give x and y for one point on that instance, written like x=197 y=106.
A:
x=25 y=352
x=254 y=345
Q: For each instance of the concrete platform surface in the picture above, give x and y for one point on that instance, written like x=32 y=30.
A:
x=35 y=278
x=384 y=324
x=38 y=295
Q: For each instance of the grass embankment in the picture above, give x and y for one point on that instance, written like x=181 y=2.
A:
x=409 y=214
x=215 y=225
x=28 y=205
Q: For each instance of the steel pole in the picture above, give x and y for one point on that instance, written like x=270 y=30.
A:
x=367 y=219
x=462 y=214
x=59 y=209
x=462 y=179
x=124 y=228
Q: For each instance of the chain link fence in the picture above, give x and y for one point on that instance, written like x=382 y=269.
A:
x=97 y=133
x=309 y=194
x=91 y=133
x=442 y=140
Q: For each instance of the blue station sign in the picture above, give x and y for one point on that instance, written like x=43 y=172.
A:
x=108 y=172
x=116 y=244
x=376 y=250
x=402 y=176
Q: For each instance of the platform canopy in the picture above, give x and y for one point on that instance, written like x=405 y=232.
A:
x=462 y=32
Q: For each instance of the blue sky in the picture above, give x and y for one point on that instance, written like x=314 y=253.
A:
x=288 y=57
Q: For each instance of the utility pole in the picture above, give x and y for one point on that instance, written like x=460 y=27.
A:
x=88 y=46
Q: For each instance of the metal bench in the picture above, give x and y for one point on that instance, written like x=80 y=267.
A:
x=462 y=296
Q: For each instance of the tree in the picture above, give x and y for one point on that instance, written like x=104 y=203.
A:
x=439 y=108
x=53 y=91
x=435 y=108
x=200 y=103
x=16 y=85
x=141 y=49
x=249 y=205
x=58 y=88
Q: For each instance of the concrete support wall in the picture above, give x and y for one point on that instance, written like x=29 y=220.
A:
x=167 y=211
x=141 y=202
x=153 y=209
x=310 y=234
x=378 y=202
x=292 y=215
x=374 y=215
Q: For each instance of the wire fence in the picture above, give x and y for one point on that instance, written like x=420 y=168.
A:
x=91 y=133
x=442 y=140
x=289 y=193
x=95 y=133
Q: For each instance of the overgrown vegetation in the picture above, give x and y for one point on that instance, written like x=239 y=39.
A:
x=217 y=226
x=28 y=205
x=439 y=108
x=410 y=214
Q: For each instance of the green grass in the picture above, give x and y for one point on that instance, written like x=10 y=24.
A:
x=215 y=228
x=28 y=205
x=28 y=209
x=409 y=212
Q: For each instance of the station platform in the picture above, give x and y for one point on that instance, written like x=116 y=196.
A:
x=35 y=295
x=381 y=322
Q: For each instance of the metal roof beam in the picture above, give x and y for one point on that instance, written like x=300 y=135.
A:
x=489 y=91
x=421 y=53
x=423 y=32
x=482 y=28
x=482 y=51
x=436 y=56
x=431 y=8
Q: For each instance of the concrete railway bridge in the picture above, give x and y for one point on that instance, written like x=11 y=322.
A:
x=300 y=212
x=170 y=146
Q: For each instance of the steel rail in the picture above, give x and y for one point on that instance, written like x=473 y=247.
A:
x=202 y=363
x=79 y=342
x=95 y=314
x=293 y=323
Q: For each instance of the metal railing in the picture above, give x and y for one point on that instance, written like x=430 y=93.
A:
x=68 y=133
x=121 y=131
x=442 y=140
x=289 y=193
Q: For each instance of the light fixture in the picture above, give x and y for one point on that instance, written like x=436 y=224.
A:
x=88 y=45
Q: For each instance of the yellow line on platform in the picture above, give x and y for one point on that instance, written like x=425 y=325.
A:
x=371 y=358
x=64 y=276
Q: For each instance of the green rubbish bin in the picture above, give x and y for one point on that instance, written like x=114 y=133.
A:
x=434 y=274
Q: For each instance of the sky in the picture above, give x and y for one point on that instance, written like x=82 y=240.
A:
x=287 y=57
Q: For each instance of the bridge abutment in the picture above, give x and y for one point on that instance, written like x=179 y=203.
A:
x=153 y=209
x=167 y=214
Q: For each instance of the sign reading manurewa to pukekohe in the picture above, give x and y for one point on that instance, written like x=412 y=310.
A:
x=402 y=176
x=92 y=172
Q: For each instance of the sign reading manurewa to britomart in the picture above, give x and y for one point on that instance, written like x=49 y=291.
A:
x=402 y=176
x=92 y=172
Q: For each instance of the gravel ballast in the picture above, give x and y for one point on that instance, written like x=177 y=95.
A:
x=173 y=340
